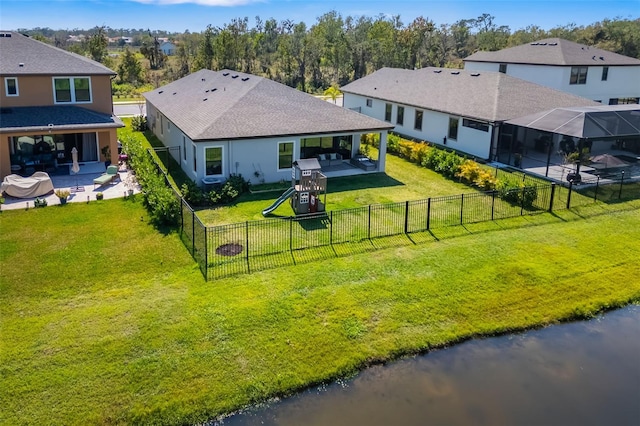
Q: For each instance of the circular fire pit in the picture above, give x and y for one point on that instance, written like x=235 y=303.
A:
x=231 y=249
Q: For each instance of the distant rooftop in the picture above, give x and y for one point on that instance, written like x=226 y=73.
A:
x=554 y=51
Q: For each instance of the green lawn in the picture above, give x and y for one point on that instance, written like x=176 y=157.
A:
x=106 y=320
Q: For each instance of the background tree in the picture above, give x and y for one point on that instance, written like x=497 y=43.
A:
x=97 y=45
x=130 y=69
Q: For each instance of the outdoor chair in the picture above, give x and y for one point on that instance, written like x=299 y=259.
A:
x=110 y=175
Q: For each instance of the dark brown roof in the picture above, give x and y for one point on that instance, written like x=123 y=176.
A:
x=553 y=51
x=21 y=55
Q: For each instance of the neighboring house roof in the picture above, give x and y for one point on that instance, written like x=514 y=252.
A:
x=485 y=96
x=21 y=55
x=553 y=51
x=62 y=117
x=586 y=122
x=210 y=105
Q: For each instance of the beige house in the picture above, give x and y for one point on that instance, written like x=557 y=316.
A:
x=52 y=101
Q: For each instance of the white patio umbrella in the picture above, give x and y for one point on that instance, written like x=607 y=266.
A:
x=75 y=168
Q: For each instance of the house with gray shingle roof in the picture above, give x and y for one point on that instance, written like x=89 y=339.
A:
x=586 y=71
x=51 y=102
x=457 y=109
x=227 y=122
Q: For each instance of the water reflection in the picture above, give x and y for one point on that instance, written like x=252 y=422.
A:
x=584 y=373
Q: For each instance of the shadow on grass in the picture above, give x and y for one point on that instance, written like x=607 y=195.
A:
x=353 y=183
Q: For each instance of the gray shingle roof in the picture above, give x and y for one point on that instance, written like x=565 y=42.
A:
x=214 y=105
x=486 y=96
x=40 y=58
x=63 y=117
x=553 y=51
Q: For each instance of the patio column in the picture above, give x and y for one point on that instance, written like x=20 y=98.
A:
x=382 y=152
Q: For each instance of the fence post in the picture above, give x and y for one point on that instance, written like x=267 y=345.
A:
x=206 y=255
x=569 y=195
x=246 y=227
x=331 y=227
x=621 y=181
x=553 y=194
x=193 y=232
x=461 y=207
x=291 y=235
x=428 y=212
x=406 y=217
x=524 y=187
x=369 y=224
x=493 y=203
x=595 y=194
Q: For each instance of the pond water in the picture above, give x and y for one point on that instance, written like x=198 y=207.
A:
x=581 y=373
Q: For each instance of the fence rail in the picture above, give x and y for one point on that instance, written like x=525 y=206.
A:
x=245 y=247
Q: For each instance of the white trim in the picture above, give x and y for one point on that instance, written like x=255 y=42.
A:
x=293 y=155
x=71 y=89
x=6 y=86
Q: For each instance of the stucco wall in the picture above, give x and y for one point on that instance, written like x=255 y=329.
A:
x=38 y=91
x=435 y=125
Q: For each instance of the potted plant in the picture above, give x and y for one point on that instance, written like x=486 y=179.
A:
x=62 y=194
x=106 y=153
x=130 y=183
x=99 y=196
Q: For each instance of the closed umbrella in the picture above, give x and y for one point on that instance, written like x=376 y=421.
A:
x=608 y=160
x=75 y=168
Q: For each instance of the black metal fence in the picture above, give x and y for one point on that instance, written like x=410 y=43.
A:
x=255 y=245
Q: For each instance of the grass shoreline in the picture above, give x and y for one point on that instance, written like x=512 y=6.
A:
x=141 y=338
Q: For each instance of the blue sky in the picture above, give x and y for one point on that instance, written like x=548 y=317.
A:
x=195 y=15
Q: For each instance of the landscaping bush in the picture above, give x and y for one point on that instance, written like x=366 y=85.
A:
x=139 y=123
x=231 y=190
x=472 y=173
x=159 y=199
x=515 y=192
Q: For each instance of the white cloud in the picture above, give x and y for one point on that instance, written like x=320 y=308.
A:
x=227 y=3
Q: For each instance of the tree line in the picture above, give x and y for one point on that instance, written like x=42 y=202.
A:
x=333 y=51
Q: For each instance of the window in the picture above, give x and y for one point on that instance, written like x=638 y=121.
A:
x=388 y=108
x=624 y=101
x=502 y=68
x=11 y=86
x=184 y=148
x=285 y=155
x=453 y=128
x=195 y=162
x=213 y=161
x=400 y=116
x=578 y=75
x=369 y=103
x=605 y=73
x=418 y=122
x=478 y=125
x=72 y=90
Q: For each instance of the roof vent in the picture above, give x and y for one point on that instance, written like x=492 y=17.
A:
x=206 y=91
x=455 y=72
x=161 y=91
x=542 y=44
x=225 y=74
x=245 y=79
x=534 y=44
x=21 y=64
x=475 y=74
x=234 y=76
x=602 y=58
x=203 y=79
x=204 y=99
x=553 y=44
x=437 y=71
x=593 y=57
x=213 y=90
x=175 y=93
